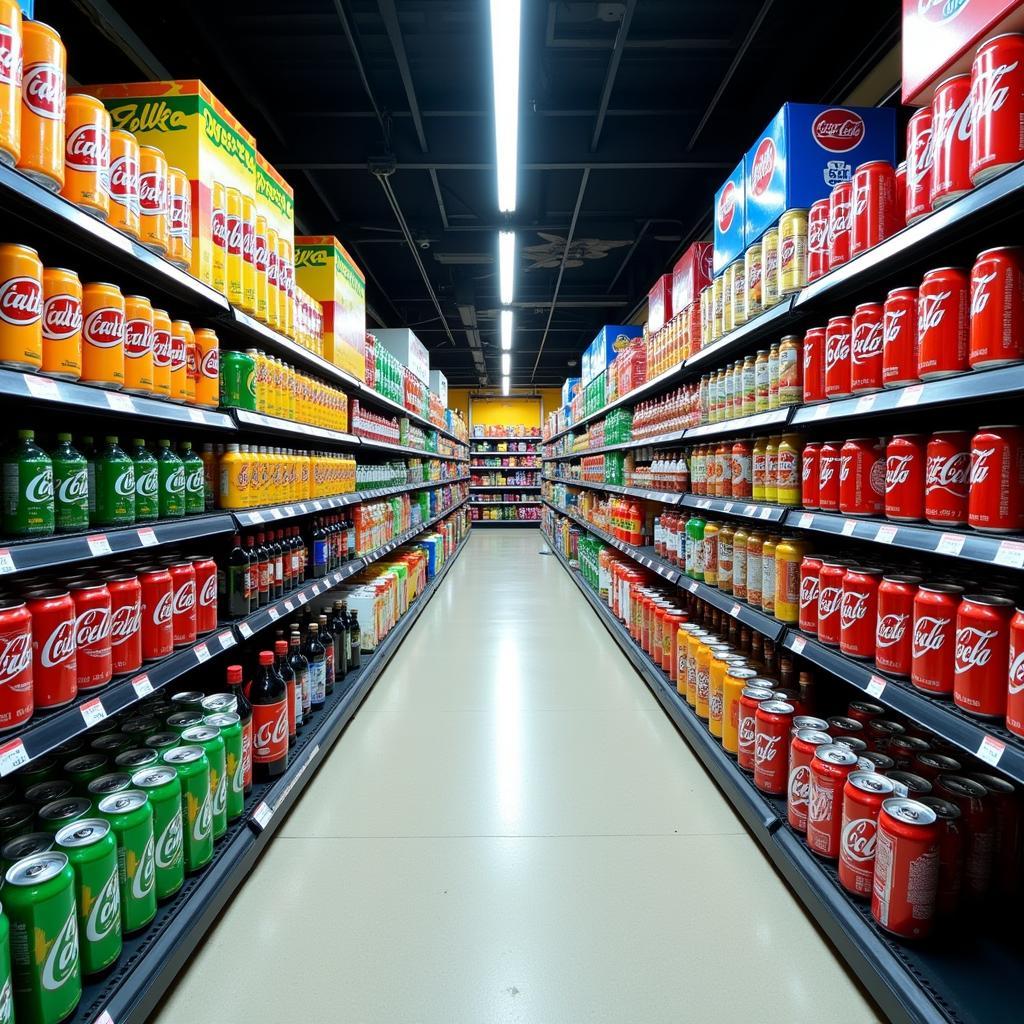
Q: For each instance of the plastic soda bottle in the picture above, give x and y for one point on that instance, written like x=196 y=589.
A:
x=70 y=486
x=115 y=486
x=170 y=481
x=147 y=485
x=195 y=480
x=28 y=489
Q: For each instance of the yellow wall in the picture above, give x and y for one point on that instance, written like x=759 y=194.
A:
x=498 y=411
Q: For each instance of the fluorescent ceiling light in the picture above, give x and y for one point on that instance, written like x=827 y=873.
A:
x=506 y=363
x=505 y=67
x=506 y=330
x=506 y=265
x=504 y=386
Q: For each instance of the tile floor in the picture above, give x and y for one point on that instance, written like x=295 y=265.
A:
x=511 y=830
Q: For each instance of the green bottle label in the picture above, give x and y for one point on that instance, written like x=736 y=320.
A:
x=172 y=488
x=71 y=499
x=147 y=501
x=28 y=497
x=195 y=487
x=115 y=492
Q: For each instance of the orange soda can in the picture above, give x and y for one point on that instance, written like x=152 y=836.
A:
x=208 y=356
x=161 y=354
x=273 y=280
x=259 y=259
x=62 y=323
x=21 y=307
x=87 y=155
x=248 y=254
x=10 y=82
x=219 y=236
x=103 y=311
x=179 y=218
x=181 y=341
x=234 y=246
x=138 y=345
x=191 y=367
x=124 y=182
x=153 y=199
x=43 y=87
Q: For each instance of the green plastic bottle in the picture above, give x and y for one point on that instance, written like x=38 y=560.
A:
x=147 y=484
x=28 y=489
x=195 y=483
x=171 y=480
x=115 y=485
x=70 y=486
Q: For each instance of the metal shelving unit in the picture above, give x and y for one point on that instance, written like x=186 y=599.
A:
x=504 y=522
x=665 y=497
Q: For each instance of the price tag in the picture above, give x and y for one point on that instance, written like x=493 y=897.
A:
x=749 y=510
x=275 y=513
x=263 y=813
x=42 y=387
x=910 y=396
x=797 y=645
x=302 y=507
x=1010 y=553
x=13 y=756
x=316 y=589
x=765 y=513
x=226 y=639
x=202 y=653
x=692 y=586
x=6 y=562
x=950 y=544
x=245 y=629
x=93 y=711
x=317 y=506
x=104 y=1018
x=864 y=403
x=886 y=534
x=806 y=521
x=302 y=597
x=289 y=606
x=256 y=517
x=848 y=527
x=98 y=544
x=142 y=686
x=196 y=416
x=734 y=610
x=727 y=507
x=876 y=684
x=147 y=537
x=820 y=412
x=991 y=750
x=274 y=614
x=119 y=402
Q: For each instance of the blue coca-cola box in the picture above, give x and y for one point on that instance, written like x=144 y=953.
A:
x=730 y=240
x=804 y=151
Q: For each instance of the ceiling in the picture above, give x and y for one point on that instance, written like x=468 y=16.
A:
x=631 y=113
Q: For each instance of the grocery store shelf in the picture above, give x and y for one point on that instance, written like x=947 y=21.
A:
x=759 y=421
x=505 y=522
x=665 y=497
x=737 y=507
x=505 y=487
x=275 y=425
x=532 y=501
x=403 y=538
x=654 y=441
x=765 y=325
x=367 y=444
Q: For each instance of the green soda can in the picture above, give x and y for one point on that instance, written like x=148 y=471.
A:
x=39 y=897
x=42 y=770
x=28 y=489
x=6 y=989
x=237 y=380
x=136 y=758
x=230 y=726
x=70 y=486
x=188 y=700
x=208 y=737
x=147 y=483
x=170 y=482
x=160 y=783
x=182 y=720
x=161 y=741
x=46 y=792
x=91 y=850
x=111 y=744
x=218 y=702
x=140 y=726
x=131 y=821
x=24 y=846
x=82 y=770
x=53 y=817
x=16 y=819
x=195 y=480
x=107 y=785
x=115 y=486
x=193 y=770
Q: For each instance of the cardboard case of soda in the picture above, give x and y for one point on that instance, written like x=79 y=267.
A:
x=691 y=273
x=610 y=341
x=729 y=218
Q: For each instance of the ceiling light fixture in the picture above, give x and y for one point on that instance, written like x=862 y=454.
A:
x=506 y=364
x=506 y=330
x=505 y=16
x=504 y=386
x=506 y=265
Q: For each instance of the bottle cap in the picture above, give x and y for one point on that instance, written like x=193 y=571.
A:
x=266 y=657
x=234 y=673
x=281 y=646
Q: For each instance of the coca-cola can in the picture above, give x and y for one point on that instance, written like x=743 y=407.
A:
x=905 y=457
x=943 y=322
x=933 y=651
x=899 y=338
x=1015 y=687
x=994 y=502
x=837 y=356
x=866 y=348
x=997 y=106
x=206 y=593
x=183 y=610
x=906 y=876
x=92 y=635
x=830 y=768
x=772 y=723
x=751 y=697
x=810 y=567
x=894 y=626
x=801 y=750
x=157 y=613
x=997 y=308
x=829 y=465
x=809 y=474
x=830 y=599
x=861 y=477
x=855 y=743
x=982 y=654
x=839 y=223
x=951 y=140
x=864 y=711
x=947 y=478
x=125 y=622
x=951 y=852
x=879 y=762
x=817 y=240
x=930 y=764
x=874 y=203
x=920 y=153
x=863 y=796
x=16 y=703
x=1005 y=802
x=54 y=668
x=814 y=365
x=906 y=782
x=858 y=612
x=880 y=733
x=977 y=815
x=901 y=195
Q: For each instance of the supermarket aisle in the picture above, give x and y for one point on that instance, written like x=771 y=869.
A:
x=512 y=830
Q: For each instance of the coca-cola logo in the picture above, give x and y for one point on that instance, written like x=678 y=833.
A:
x=920 y=158
x=787 y=250
x=105 y=911
x=940 y=11
x=273 y=731
x=104 y=327
x=21 y=301
x=124 y=181
x=168 y=847
x=180 y=221
x=145 y=872
x=840 y=220
x=161 y=348
x=973 y=647
x=853 y=608
x=893 y=324
x=10 y=55
x=88 y=149
x=146 y=482
x=838 y=130
x=40 y=487
x=74 y=488
x=897 y=470
x=929 y=634
x=891 y=629
x=203 y=824
x=163 y=610
x=138 y=338
x=62 y=959
x=817 y=235
x=260 y=253
x=59 y=645
x=819 y=803
x=219 y=229
x=987 y=94
x=15 y=656
x=826 y=470
x=858 y=840
x=746 y=731
x=867 y=342
x=62 y=317
x=153 y=193
x=178 y=355
x=1016 y=673
x=184 y=597
x=273 y=267
x=949 y=121
x=92 y=627
x=234 y=234
x=125 y=622
x=766 y=748
x=209 y=365
x=248 y=241
x=175 y=482
x=808 y=591
x=980 y=464
x=948 y=473
x=42 y=90
x=829 y=600
x=837 y=349
x=763 y=167
x=979 y=291
x=799 y=786
x=208 y=595
x=727 y=207
x=124 y=482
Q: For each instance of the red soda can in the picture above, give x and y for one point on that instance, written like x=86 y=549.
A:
x=977 y=815
x=901 y=196
x=206 y=593
x=751 y=698
x=894 y=628
x=16 y=702
x=828 y=476
x=183 y=609
x=801 y=751
x=906 y=875
x=951 y=140
x=125 y=623
x=947 y=478
x=93 y=661
x=994 y=502
x=817 y=240
x=858 y=612
x=951 y=852
x=157 y=613
x=830 y=600
x=997 y=106
x=982 y=654
x=899 y=338
x=920 y=154
x=933 y=650
x=905 y=750
x=814 y=364
x=880 y=733
x=839 y=223
x=943 y=322
x=837 y=357
x=773 y=721
x=810 y=566
x=861 y=477
x=866 y=348
x=830 y=768
x=54 y=668
x=1005 y=802
x=809 y=474
x=864 y=711
x=1015 y=688
x=904 y=477
x=997 y=308
x=874 y=202
x=863 y=796
x=930 y=765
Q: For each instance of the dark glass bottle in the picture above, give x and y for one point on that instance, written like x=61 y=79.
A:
x=238 y=582
x=327 y=639
x=269 y=697
x=355 y=635
x=339 y=627
x=320 y=550
x=317 y=658
x=300 y=667
x=263 y=569
x=285 y=672
x=276 y=566
x=244 y=711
